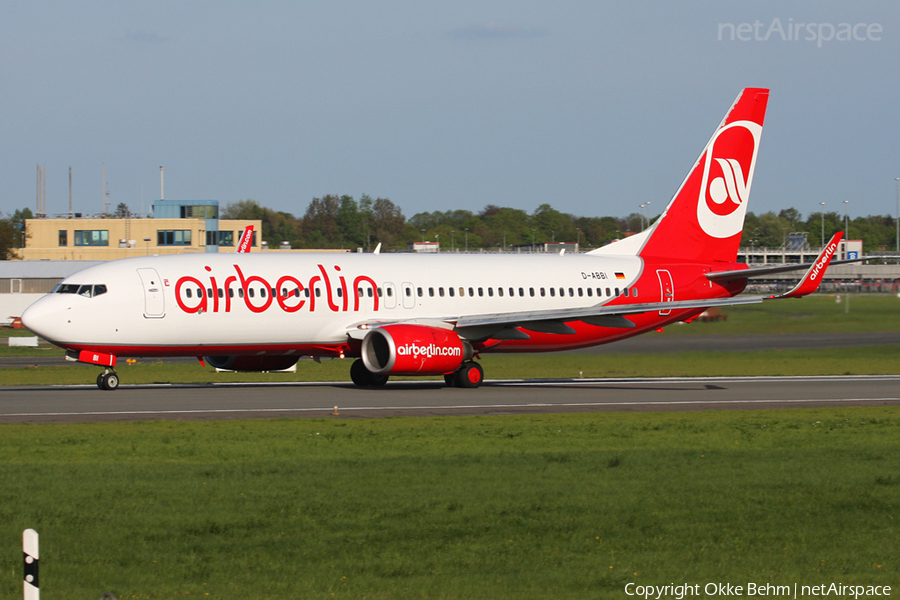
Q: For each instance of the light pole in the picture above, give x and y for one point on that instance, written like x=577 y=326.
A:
x=578 y=243
x=423 y=235
x=642 y=215
x=648 y=203
x=897 y=180
x=846 y=220
x=467 y=240
x=823 y=223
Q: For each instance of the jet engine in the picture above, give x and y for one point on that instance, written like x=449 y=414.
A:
x=413 y=350
x=251 y=363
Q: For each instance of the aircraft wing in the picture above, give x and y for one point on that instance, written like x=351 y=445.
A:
x=826 y=253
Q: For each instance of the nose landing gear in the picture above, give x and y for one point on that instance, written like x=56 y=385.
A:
x=108 y=380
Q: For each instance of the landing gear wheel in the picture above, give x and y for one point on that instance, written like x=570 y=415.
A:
x=470 y=375
x=363 y=377
x=108 y=380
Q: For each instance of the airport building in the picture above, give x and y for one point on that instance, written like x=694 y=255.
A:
x=176 y=227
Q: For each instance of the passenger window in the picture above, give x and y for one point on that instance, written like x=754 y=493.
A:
x=512 y=292
x=531 y=292
x=306 y=292
x=209 y=292
x=500 y=291
x=318 y=293
x=419 y=292
x=571 y=293
x=379 y=292
x=580 y=292
x=262 y=292
x=617 y=291
x=607 y=293
x=450 y=290
x=369 y=292
x=340 y=293
x=562 y=292
x=521 y=292
x=221 y=293
x=188 y=293
x=491 y=292
x=408 y=292
x=441 y=292
x=251 y=293
x=431 y=292
x=634 y=292
x=480 y=292
x=390 y=292
x=626 y=291
x=274 y=292
x=462 y=292
x=590 y=292
x=359 y=292
x=471 y=292
x=543 y=292
x=85 y=291
x=240 y=292
x=231 y=292
x=553 y=292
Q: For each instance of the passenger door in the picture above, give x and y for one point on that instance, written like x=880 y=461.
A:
x=154 y=300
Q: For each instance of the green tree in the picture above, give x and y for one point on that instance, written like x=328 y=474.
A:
x=9 y=237
x=387 y=223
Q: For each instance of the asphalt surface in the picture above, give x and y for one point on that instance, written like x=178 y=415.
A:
x=68 y=404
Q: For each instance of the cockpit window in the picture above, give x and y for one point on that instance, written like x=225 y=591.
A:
x=88 y=291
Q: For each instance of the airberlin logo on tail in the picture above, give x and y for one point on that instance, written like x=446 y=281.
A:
x=729 y=161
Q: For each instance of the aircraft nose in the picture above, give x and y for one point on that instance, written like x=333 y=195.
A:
x=40 y=317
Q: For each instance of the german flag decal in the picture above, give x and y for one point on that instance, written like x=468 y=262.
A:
x=620 y=275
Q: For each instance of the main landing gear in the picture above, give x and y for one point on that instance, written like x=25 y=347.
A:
x=469 y=375
x=363 y=377
x=108 y=380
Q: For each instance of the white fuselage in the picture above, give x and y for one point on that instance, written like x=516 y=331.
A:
x=187 y=303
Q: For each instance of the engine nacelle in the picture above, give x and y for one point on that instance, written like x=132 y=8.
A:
x=413 y=350
x=252 y=363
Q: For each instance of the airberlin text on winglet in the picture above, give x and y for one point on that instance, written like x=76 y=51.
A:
x=292 y=301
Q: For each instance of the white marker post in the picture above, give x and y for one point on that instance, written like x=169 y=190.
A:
x=30 y=549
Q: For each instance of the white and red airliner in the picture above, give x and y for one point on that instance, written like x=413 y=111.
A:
x=405 y=314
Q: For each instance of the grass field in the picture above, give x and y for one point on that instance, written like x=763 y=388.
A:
x=876 y=360
x=552 y=506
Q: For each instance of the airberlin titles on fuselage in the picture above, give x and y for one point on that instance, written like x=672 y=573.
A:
x=288 y=292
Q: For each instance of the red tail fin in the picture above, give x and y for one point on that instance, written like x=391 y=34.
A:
x=705 y=218
x=246 y=242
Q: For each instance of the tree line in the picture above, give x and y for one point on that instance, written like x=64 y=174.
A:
x=342 y=222
x=333 y=221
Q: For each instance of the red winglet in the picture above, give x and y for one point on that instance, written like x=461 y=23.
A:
x=246 y=241
x=812 y=279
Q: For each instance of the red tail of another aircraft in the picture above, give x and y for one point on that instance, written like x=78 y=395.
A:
x=705 y=218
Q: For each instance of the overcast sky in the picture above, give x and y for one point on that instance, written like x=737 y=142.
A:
x=593 y=107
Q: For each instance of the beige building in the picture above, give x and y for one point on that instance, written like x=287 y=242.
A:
x=109 y=239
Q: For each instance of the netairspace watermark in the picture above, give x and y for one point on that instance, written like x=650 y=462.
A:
x=795 y=32
x=687 y=590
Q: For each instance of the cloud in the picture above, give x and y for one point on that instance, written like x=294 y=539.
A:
x=145 y=37
x=494 y=32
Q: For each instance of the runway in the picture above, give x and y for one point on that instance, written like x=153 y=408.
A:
x=71 y=404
